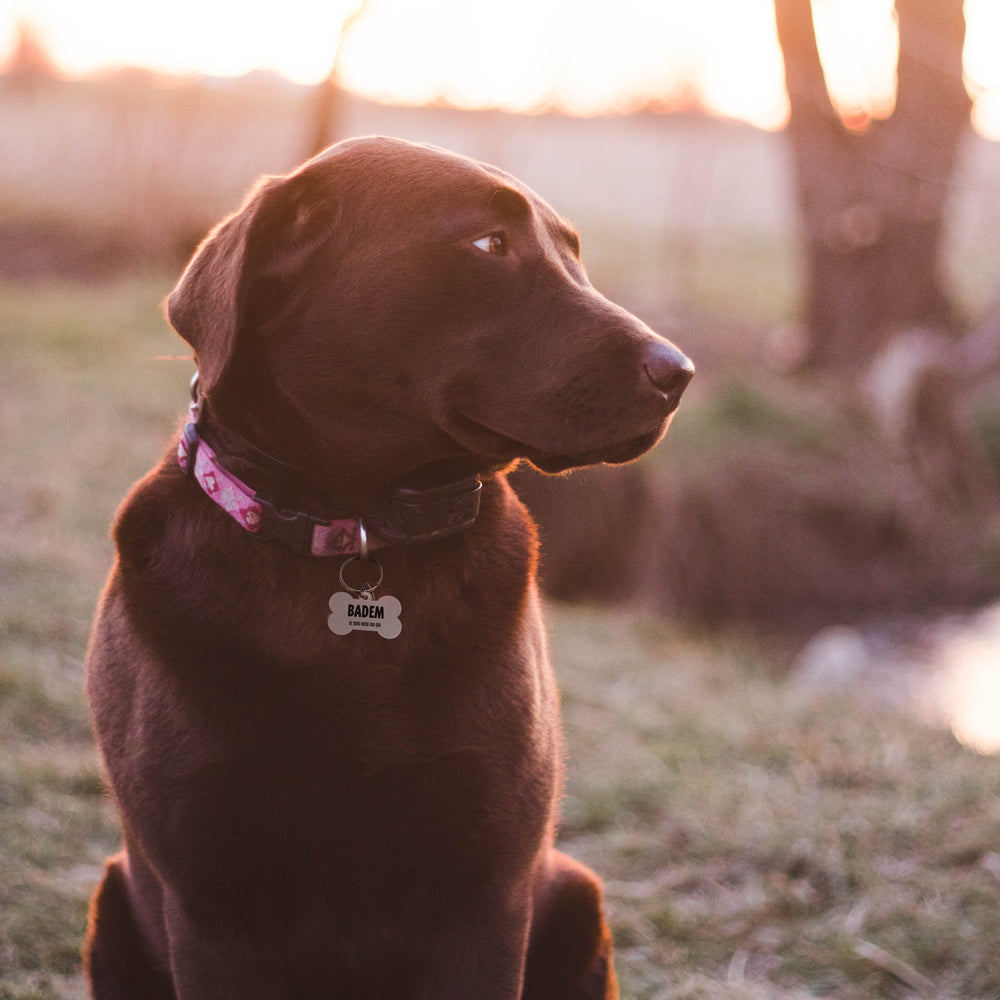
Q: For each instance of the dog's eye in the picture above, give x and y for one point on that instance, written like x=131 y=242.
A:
x=495 y=243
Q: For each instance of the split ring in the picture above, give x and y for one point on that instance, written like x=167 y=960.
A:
x=368 y=588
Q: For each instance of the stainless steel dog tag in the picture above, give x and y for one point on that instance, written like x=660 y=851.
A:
x=364 y=613
x=357 y=609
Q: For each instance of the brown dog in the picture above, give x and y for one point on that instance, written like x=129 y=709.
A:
x=311 y=810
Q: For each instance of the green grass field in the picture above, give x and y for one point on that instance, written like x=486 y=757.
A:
x=757 y=840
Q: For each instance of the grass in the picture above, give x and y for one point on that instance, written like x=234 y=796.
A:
x=758 y=839
x=77 y=429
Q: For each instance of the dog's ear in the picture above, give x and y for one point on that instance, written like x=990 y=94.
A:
x=265 y=244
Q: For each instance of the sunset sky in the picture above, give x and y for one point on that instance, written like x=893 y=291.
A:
x=584 y=56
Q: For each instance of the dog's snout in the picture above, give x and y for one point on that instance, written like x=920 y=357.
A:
x=669 y=370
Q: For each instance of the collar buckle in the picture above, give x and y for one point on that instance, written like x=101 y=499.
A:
x=291 y=528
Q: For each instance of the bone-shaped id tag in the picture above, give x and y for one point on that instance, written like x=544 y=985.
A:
x=364 y=613
x=357 y=609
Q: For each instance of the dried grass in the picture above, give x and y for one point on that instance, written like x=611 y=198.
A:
x=758 y=840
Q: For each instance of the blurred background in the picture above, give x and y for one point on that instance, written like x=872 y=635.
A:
x=806 y=198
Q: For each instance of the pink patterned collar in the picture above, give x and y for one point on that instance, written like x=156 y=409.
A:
x=406 y=516
x=300 y=532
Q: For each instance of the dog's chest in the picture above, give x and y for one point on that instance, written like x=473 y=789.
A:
x=360 y=732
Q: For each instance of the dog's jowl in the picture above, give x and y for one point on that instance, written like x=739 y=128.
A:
x=363 y=811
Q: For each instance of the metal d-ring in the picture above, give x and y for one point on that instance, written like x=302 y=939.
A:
x=368 y=588
x=196 y=399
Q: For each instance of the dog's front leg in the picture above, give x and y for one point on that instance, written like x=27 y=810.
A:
x=569 y=957
x=476 y=958
x=211 y=961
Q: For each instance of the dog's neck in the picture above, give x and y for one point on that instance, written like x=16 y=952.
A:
x=285 y=505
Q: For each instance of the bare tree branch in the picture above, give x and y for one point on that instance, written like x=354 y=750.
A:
x=328 y=99
x=808 y=97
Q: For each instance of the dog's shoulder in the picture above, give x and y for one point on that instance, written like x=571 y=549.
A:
x=157 y=512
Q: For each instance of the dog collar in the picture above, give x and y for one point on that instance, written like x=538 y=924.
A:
x=409 y=515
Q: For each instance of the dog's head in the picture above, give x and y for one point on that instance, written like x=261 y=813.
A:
x=390 y=308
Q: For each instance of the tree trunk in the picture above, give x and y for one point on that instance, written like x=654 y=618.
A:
x=872 y=203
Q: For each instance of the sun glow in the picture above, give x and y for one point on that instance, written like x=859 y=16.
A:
x=585 y=56
x=968 y=683
x=858 y=41
x=982 y=68
x=217 y=37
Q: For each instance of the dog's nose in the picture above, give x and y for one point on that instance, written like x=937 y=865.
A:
x=669 y=370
